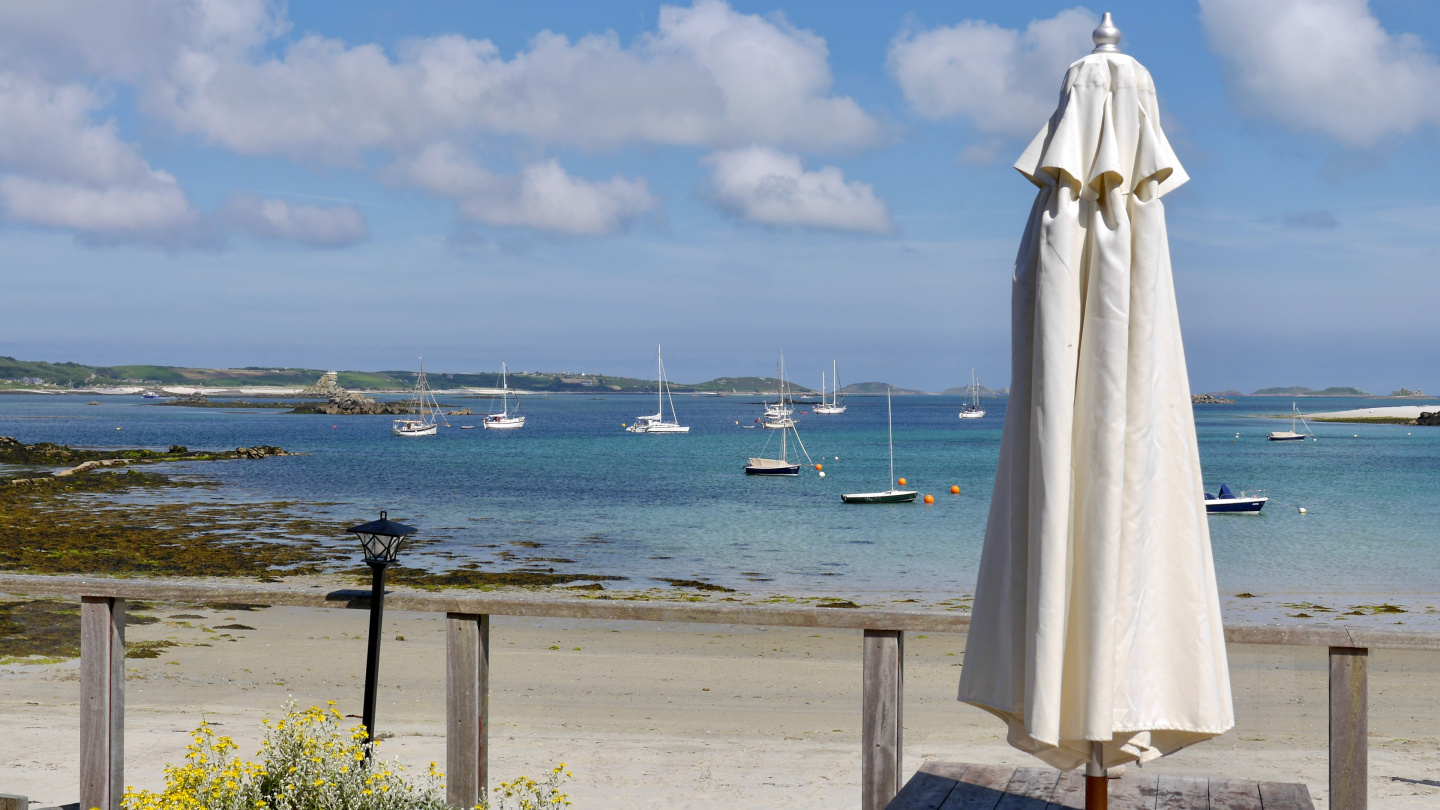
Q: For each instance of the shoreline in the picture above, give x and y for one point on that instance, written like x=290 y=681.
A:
x=1389 y=412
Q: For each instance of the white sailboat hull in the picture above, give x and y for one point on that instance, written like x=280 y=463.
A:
x=504 y=422
x=778 y=424
x=828 y=409
x=668 y=427
x=407 y=428
x=971 y=414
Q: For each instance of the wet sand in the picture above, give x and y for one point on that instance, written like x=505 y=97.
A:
x=662 y=716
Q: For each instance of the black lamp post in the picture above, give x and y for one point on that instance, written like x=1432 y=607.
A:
x=381 y=540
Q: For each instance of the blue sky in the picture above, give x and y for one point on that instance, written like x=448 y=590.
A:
x=564 y=185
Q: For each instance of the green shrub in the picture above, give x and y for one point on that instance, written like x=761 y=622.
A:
x=308 y=762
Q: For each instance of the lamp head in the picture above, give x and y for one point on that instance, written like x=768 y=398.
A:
x=381 y=539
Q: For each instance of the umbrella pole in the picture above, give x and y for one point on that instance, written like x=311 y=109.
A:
x=1097 y=787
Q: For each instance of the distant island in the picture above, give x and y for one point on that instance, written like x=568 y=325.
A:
x=862 y=388
x=23 y=374
x=1302 y=391
x=965 y=391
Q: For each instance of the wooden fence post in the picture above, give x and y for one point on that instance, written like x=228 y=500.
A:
x=102 y=702
x=467 y=699
x=882 y=728
x=1349 y=727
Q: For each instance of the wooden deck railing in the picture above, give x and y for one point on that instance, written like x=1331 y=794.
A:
x=467 y=679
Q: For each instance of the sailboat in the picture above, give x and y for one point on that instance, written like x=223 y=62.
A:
x=505 y=420
x=891 y=495
x=1290 y=435
x=657 y=423
x=833 y=406
x=973 y=410
x=777 y=416
x=429 y=420
x=782 y=465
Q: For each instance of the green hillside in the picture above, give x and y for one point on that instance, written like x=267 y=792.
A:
x=875 y=388
x=20 y=373
x=1302 y=391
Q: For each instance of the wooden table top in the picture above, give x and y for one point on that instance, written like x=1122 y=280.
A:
x=962 y=786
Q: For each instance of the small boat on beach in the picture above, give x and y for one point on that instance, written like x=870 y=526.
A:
x=657 y=423
x=973 y=410
x=1227 y=502
x=1291 y=435
x=835 y=404
x=891 y=495
x=505 y=420
x=429 y=421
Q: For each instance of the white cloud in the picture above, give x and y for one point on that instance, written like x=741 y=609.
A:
x=1001 y=80
x=1324 y=66
x=707 y=76
x=312 y=225
x=771 y=187
x=541 y=196
x=60 y=169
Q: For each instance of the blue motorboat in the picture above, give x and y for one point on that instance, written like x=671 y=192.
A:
x=1227 y=502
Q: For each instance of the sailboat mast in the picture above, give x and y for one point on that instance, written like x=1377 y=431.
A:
x=890 y=419
x=659 y=383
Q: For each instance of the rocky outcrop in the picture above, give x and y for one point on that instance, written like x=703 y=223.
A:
x=347 y=403
x=259 y=451
x=1431 y=418
x=1210 y=399
x=327 y=386
x=461 y=412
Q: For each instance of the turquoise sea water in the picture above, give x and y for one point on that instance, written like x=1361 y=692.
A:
x=679 y=506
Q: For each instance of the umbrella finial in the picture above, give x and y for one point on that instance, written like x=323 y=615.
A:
x=1106 y=36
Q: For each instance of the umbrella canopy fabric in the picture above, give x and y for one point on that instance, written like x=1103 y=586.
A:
x=1096 y=615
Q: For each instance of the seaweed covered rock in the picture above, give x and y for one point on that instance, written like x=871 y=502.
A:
x=1429 y=418
x=347 y=403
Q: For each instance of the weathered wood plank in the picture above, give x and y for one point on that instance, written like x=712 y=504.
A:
x=1234 y=794
x=982 y=789
x=102 y=702
x=929 y=787
x=1069 y=792
x=1029 y=789
x=10 y=801
x=1349 y=727
x=574 y=607
x=467 y=708
x=1136 y=790
x=1285 y=796
x=1182 y=793
x=881 y=723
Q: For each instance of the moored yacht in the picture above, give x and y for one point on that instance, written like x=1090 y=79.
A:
x=656 y=423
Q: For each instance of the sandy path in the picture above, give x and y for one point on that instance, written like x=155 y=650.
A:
x=663 y=716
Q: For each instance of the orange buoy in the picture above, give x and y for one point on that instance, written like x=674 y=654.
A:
x=955 y=490
x=929 y=499
x=901 y=482
x=818 y=467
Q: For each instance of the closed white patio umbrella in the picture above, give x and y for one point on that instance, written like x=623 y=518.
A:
x=1096 y=632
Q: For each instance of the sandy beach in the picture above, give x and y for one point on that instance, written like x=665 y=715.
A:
x=660 y=715
x=1391 y=412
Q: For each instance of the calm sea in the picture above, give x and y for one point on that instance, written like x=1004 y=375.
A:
x=574 y=483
